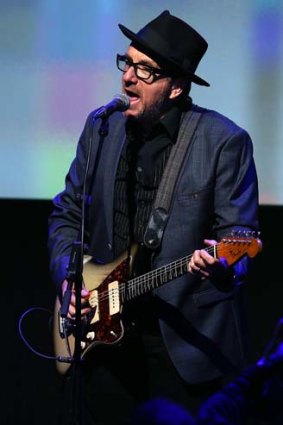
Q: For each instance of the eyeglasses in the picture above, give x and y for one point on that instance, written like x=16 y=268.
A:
x=143 y=72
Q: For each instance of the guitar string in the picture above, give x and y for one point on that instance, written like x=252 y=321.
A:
x=104 y=295
x=161 y=271
x=152 y=275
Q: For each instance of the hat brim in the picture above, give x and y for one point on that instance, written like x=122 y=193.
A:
x=172 y=66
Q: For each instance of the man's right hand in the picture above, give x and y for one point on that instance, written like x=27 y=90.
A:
x=85 y=308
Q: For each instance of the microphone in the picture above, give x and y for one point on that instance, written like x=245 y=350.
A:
x=121 y=102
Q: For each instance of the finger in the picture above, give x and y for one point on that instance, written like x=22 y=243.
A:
x=85 y=293
x=85 y=311
x=207 y=258
x=193 y=267
x=210 y=242
x=204 y=273
x=71 y=312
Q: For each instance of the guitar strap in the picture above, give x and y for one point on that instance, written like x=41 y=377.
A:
x=161 y=207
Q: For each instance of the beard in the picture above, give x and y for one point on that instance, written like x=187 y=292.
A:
x=150 y=115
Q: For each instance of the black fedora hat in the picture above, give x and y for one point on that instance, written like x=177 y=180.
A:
x=173 y=43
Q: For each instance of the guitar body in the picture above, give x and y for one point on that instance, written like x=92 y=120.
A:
x=108 y=292
x=103 y=325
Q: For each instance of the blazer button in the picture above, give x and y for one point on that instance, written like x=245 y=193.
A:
x=110 y=246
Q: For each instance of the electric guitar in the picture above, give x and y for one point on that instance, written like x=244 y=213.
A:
x=109 y=290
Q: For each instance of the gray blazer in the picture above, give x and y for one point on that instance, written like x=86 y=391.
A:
x=202 y=325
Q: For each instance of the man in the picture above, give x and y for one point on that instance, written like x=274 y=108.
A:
x=183 y=338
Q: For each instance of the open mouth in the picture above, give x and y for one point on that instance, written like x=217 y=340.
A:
x=133 y=96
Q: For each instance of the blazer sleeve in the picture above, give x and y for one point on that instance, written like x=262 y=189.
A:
x=65 y=220
x=236 y=192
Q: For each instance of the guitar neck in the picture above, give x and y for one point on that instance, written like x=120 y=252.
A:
x=147 y=282
x=232 y=249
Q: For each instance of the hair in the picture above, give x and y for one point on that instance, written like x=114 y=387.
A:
x=186 y=85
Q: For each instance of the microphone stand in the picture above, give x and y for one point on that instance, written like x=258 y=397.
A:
x=75 y=279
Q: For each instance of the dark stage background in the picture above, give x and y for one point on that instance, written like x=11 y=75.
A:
x=30 y=384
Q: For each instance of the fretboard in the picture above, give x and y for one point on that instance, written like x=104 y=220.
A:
x=155 y=278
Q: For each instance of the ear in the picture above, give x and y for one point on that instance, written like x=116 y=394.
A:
x=177 y=87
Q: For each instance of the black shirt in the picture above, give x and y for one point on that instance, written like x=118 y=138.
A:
x=138 y=176
x=139 y=173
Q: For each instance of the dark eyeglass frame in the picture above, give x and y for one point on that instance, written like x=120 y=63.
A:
x=154 y=73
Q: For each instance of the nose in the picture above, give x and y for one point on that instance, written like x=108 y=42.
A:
x=130 y=75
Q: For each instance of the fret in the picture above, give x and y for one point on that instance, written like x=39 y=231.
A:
x=155 y=278
x=164 y=274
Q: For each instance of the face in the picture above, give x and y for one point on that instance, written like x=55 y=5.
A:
x=148 y=102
